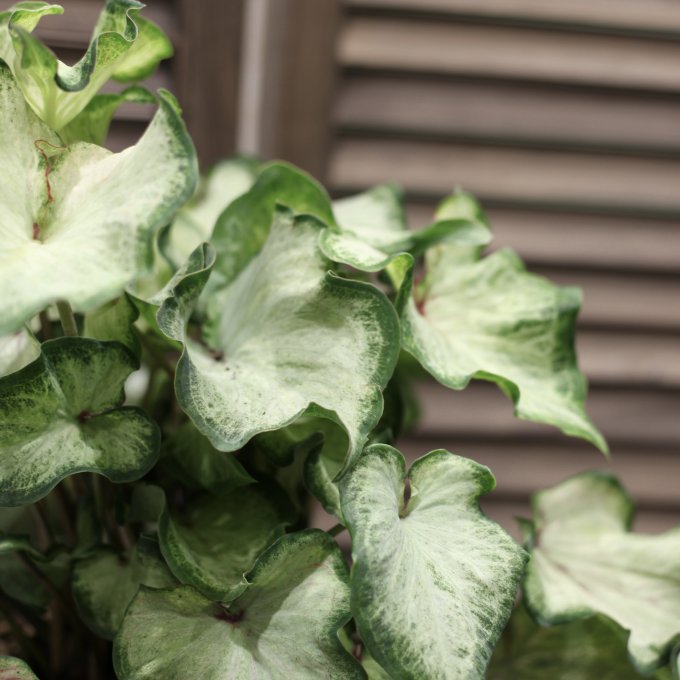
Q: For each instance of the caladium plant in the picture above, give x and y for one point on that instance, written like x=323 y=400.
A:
x=188 y=367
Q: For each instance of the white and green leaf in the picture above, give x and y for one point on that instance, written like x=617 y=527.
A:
x=433 y=580
x=17 y=350
x=285 y=625
x=77 y=222
x=489 y=319
x=585 y=561
x=104 y=584
x=215 y=541
x=12 y=668
x=63 y=414
x=284 y=339
x=124 y=46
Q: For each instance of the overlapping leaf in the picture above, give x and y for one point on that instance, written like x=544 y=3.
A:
x=104 y=584
x=585 y=561
x=62 y=414
x=371 y=229
x=17 y=350
x=487 y=318
x=284 y=625
x=433 y=580
x=216 y=540
x=77 y=222
x=285 y=338
x=124 y=46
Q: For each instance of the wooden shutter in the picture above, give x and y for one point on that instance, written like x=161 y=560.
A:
x=564 y=118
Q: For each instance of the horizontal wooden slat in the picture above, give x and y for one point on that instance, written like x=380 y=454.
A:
x=74 y=27
x=643 y=417
x=502 y=110
x=546 y=175
x=603 y=241
x=521 y=468
x=510 y=52
x=650 y=15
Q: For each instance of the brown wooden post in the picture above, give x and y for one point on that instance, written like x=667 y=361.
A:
x=207 y=66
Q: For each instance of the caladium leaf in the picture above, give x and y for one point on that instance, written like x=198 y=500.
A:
x=243 y=227
x=124 y=46
x=489 y=319
x=12 y=668
x=589 y=648
x=285 y=338
x=77 y=222
x=433 y=580
x=63 y=414
x=584 y=561
x=196 y=220
x=92 y=123
x=216 y=540
x=283 y=626
x=17 y=350
x=104 y=584
x=114 y=321
x=199 y=464
x=371 y=229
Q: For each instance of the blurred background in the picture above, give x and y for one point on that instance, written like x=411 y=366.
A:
x=562 y=116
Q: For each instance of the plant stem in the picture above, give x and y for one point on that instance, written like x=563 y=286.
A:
x=31 y=649
x=43 y=530
x=68 y=320
x=45 y=326
x=64 y=514
x=337 y=529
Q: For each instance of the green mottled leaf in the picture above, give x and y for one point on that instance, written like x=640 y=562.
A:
x=77 y=222
x=104 y=584
x=591 y=648
x=198 y=463
x=12 y=668
x=194 y=223
x=114 y=321
x=63 y=414
x=284 y=626
x=285 y=338
x=490 y=319
x=216 y=540
x=17 y=350
x=433 y=580
x=243 y=227
x=124 y=46
x=371 y=229
x=584 y=561
x=92 y=123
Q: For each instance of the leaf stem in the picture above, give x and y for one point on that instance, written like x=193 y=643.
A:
x=68 y=320
x=29 y=645
x=64 y=514
x=337 y=529
x=43 y=529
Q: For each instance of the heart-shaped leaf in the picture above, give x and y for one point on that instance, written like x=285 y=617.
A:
x=104 y=584
x=489 y=319
x=584 y=561
x=77 y=222
x=433 y=580
x=284 y=626
x=124 y=46
x=63 y=414
x=216 y=540
x=285 y=338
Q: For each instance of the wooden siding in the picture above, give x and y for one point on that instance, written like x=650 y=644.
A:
x=564 y=118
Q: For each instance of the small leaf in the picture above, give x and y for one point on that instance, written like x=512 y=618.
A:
x=12 y=668
x=590 y=648
x=585 y=561
x=124 y=46
x=371 y=229
x=217 y=539
x=78 y=221
x=489 y=319
x=63 y=414
x=114 y=321
x=284 y=339
x=433 y=580
x=104 y=584
x=243 y=228
x=195 y=222
x=284 y=625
